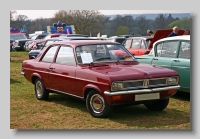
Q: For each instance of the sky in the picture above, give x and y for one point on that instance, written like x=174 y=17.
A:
x=33 y=14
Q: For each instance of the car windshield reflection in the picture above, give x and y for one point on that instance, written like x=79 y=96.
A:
x=88 y=54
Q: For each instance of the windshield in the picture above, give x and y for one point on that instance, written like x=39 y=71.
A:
x=17 y=36
x=102 y=53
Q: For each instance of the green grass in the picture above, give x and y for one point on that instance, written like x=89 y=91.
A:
x=65 y=112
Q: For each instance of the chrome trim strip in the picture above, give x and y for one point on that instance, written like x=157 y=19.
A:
x=65 y=93
x=141 y=91
x=22 y=73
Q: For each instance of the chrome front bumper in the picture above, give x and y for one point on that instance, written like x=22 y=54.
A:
x=141 y=91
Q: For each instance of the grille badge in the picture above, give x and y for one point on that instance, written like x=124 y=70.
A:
x=146 y=83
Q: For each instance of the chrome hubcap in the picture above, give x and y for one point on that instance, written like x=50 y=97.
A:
x=97 y=103
x=39 y=89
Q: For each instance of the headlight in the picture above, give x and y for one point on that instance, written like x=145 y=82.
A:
x=172 y=80
x=116 y=86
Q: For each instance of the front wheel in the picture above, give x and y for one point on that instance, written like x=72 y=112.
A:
x=157 y=105
x=40 y=91
x=97 y=106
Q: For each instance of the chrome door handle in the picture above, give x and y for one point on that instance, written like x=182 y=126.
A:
x=176 y=60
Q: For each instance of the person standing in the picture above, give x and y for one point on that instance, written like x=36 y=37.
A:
x=174 y=32
x=150 y=33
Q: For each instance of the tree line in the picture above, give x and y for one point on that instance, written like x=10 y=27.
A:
x=92 y=22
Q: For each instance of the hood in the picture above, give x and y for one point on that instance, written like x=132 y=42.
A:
x=133 y=71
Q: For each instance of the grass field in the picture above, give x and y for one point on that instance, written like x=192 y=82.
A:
x=65 y=112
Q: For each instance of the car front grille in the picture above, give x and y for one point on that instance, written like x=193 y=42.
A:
x=146 y=83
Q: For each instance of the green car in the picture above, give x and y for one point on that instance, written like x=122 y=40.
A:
x=173 y=53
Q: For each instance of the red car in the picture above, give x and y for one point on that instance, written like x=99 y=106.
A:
x=143 y=45
x=102 y=73
x=33 y=45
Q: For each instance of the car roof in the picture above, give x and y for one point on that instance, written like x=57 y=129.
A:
x=74 y=35
x=137 y=35
x=116 y=38
x=71 y=38
x=84 y=42
x=141 y=37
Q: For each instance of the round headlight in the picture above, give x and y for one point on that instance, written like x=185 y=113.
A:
x=117 y=86
x=172 y=80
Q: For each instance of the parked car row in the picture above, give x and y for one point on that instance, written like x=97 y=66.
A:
x=21 y=45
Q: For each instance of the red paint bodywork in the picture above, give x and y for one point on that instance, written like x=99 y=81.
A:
x=77 y=80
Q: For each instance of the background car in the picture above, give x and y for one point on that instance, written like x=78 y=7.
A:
x=127 y=36
x=116 y=39
x=38 y=36
x=143 y=45
x=101 y=73
x=33 y=53
x=173 y=53
x=11 y=45
x=74 y=35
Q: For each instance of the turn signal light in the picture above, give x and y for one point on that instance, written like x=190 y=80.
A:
x=116 y=97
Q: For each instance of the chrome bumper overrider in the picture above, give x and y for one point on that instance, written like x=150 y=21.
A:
x=22 y=73
x=141 y=91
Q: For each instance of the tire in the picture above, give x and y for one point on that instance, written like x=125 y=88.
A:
x=23 y=47
x=157 y=105
x=97 y=106
x=41 y=92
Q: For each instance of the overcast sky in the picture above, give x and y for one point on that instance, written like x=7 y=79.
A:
x=33 y=14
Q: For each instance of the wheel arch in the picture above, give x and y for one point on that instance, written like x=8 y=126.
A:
x=34 y=77
x=89 y=88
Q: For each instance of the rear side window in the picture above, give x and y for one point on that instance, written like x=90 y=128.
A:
x=127 y=43
x=136 y=44
x=167 y=49
x=49 y=55
x=184 y=51
x=65 y=56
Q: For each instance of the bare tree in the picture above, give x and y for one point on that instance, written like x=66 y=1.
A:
x=21 y=19
x=11 y=14
x=161 y=21
x=84 y=21
x=142 y=25
x=11 y=18
x=39 y=24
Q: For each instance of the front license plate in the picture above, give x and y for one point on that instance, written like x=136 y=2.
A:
x=147 y=96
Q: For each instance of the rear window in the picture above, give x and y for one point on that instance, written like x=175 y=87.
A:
x=120 y=40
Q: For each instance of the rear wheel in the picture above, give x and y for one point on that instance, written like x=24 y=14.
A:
x=157 y=105
x=97 y=106
x=41 y=92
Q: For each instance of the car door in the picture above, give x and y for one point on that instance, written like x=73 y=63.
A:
x=63 y=69
x=166 y=53
x=135 y=47
x=182 y=65
x=44 y=64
